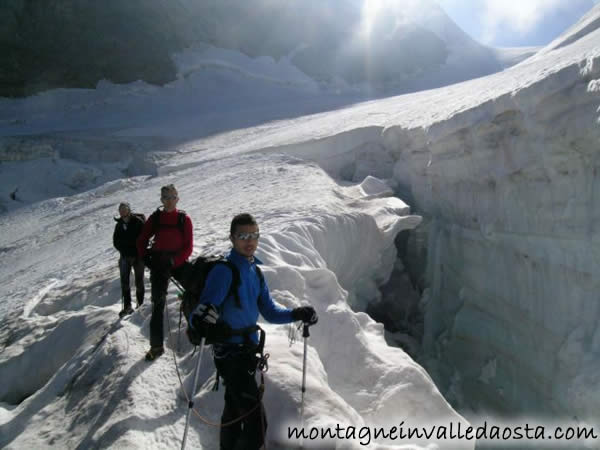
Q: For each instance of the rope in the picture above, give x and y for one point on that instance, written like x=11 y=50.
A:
x=292 y=332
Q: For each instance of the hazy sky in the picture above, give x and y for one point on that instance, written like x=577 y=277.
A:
x=512 y=23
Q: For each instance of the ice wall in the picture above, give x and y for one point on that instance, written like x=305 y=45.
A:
x=510 y=190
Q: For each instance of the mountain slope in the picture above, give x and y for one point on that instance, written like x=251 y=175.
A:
x=398 y=47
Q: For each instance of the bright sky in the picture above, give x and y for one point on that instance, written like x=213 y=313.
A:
x=513 y=23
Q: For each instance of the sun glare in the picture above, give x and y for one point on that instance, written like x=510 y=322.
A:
x=371 y=9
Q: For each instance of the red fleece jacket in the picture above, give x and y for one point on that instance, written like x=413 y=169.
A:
x=168 y=238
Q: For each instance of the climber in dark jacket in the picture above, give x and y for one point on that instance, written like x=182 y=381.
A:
x=127 y=230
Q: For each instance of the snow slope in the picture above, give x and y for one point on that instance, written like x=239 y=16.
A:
x=75 y=376
x=509 y=56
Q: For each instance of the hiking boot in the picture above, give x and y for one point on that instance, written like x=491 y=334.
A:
x=154 y=353
x=126 y=311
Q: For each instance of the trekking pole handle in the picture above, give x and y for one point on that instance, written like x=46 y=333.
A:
x=305 y=332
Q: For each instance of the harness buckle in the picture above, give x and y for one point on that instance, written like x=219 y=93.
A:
x=263 y=363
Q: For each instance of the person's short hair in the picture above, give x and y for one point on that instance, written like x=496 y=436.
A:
x=241 y=219
x=168 y=189
x=125 y=205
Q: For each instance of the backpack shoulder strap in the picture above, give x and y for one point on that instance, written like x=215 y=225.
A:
x=140 y=216
x=261 y=277
x=155 y=218
x=181 y=215
x=137 y=217
x=235 y=281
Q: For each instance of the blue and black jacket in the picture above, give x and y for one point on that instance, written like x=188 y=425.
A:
x=253 y=294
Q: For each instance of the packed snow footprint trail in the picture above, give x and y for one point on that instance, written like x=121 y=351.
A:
x=321 y=241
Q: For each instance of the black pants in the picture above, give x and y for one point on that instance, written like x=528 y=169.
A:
x=159 y=280
x=125 y=266
x=237 y=368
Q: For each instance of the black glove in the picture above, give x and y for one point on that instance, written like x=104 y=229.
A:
x=306 y=314
x=202 y=323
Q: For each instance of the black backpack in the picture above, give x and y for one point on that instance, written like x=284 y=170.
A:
x=193 y=281
x=155 y=218
x=137 y=216
x=194 y=276
x=140 y=216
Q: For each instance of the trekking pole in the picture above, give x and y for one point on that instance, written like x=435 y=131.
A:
x=191 y=398
x=122 y=296
x=177 y=284
x=179 y=296
x=305 y=335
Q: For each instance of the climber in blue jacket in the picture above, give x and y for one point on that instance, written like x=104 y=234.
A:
x=235 y=350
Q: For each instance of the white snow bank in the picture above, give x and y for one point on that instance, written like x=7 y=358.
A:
x=55 y=177
x=323 y=244
x=374 y=187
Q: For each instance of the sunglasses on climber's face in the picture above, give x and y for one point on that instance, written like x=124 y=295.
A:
x=247 y=236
